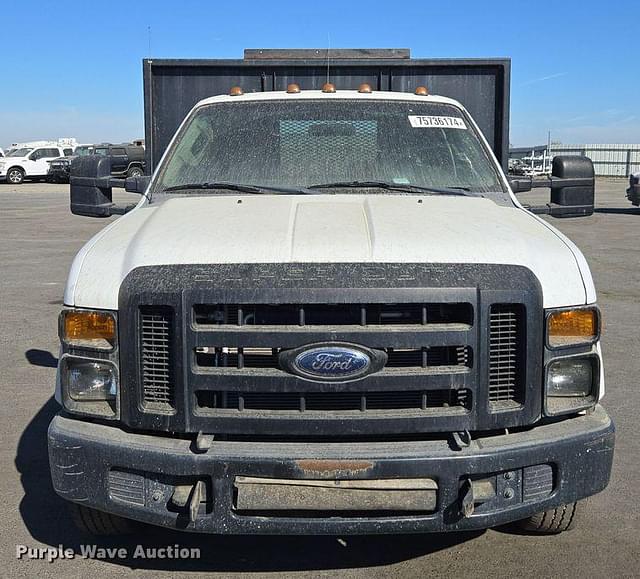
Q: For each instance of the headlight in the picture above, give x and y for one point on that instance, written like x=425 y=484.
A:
x=91 y=380
x=573 y=327
x=89 y=369
x=88 y=329
x=572 y=384
x=89 y=386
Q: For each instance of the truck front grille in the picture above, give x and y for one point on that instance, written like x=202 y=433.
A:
x=202 y=347
x=155 y=358
x=506 y=353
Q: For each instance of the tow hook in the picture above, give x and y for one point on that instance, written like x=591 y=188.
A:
x=203 y=442
x=189 y=497
x=461 y=439
x=472 y=492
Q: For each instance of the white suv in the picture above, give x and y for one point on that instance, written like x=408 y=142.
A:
x=30 y=163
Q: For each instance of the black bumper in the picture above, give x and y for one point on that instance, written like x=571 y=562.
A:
x=134 y=475
x=58 y=175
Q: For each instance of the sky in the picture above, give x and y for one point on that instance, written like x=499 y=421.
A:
x=74 y=68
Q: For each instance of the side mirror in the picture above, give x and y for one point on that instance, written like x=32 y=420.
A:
x=572 y=184
x=92 y=187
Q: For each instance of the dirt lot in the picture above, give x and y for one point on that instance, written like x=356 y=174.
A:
x=38 y=239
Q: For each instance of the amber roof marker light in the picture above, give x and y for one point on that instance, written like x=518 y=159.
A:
x=422 y=91
x=365 y=88
x=236 y=91
x=328 y=87
x=293 y=88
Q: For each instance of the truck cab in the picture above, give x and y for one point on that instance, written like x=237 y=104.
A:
x=328 y=313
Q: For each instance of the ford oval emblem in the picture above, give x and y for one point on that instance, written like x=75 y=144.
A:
x=337 y=362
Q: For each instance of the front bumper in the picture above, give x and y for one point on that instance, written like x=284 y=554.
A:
x=134 y=475
x=633 y=194
x=58 y=174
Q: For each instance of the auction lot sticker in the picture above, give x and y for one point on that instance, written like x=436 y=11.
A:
x=431 y=122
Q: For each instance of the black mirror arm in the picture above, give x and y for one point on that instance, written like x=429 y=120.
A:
x=120 y=210
x=556 y=182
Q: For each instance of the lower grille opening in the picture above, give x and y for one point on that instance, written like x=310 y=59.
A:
x=432 y=400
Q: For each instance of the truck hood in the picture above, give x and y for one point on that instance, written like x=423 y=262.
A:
x=327 y=228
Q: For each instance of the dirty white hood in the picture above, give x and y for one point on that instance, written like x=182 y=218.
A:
x=327 y=228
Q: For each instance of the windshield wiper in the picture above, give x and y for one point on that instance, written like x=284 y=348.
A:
x=406 y=188
x=241 y=187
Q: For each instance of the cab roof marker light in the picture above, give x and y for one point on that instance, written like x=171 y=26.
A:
x=422 y=91
x=365 y=88
x=236 y=91
x=328 y=87
x=293 y=88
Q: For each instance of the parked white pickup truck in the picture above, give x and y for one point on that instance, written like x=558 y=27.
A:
x=31 y=162
x=328 y=313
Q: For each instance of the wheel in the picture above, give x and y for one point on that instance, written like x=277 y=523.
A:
x=97 y=523
x=15 y=176
x=562 y=518
x=134 y=172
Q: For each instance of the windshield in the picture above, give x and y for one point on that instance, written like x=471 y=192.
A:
x=101 y=151
x=83 y=151
x=19 y=153
x=306 y=143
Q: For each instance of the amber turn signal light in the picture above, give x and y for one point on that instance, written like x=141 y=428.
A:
x=573 y=327
x=88 y=329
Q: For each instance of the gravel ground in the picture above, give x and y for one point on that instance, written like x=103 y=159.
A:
x=38 y=239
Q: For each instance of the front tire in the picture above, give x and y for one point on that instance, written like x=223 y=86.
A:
x=97 y=523
x=15 y=176
x=551 y=522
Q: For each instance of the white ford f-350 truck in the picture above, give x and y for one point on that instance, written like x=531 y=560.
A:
x=327 y=314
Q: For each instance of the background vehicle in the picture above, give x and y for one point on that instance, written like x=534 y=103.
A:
x=60 y=167
x=1 y=153
x=30 y=163
x=329 y=314
x=65 y=142
x=633 y=192
x=126 y=160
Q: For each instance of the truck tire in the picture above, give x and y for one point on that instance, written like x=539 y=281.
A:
x=97 y=523
x=15 y=176
x=134 y=172
x=553 y=521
